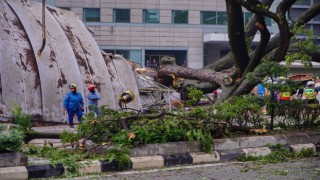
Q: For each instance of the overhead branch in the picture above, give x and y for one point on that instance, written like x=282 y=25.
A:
x=259 y=51
x=236 y=33
x=284 y=31
x=251 y=28
x=305 y=17
x=227 y=62
x=260 y=9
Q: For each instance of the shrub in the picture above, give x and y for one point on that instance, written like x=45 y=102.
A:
x=240 y=110
x=22 y=119
x=11 y=140
x=194 y=95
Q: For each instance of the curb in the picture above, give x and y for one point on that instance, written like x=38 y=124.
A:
x=137 y=163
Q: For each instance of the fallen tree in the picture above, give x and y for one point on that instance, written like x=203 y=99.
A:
x=230 y=71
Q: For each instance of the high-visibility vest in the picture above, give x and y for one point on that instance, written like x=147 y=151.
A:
x=309 y=93
x=285 y=96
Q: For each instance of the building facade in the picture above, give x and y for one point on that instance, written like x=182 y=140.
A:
x=194 y=32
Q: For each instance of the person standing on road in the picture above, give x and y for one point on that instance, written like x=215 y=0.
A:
x=93 y=98
x=73 y=104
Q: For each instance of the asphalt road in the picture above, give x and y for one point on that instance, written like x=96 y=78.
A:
x=307 y=168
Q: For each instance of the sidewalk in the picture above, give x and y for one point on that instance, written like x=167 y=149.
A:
x=169 y=154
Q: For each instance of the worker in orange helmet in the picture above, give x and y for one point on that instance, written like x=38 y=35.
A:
x=93 y=98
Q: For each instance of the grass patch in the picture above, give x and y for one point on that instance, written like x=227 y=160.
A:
x=279 y=154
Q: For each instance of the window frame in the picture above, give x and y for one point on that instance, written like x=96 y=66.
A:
x=224 y=13
x=174 y=16
x=85 y=18
x=144 y=16
x=202 y=17
x=115 y=12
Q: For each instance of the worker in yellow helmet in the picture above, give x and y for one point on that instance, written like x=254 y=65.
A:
x=310 y=93
x=284 y=95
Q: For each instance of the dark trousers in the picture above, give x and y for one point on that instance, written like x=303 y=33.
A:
x=71 y=113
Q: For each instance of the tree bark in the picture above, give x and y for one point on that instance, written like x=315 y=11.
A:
x=238 y=46
x=227 y=61
x=170 y=68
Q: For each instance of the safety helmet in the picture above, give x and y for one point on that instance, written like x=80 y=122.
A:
x=310 y=83
x=91 y=87
x=72 y=85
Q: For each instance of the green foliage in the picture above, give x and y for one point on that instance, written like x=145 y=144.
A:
x=305 y=152
x=240 y=110
x=304 y=47
x=2 y=128
x=170 y=129
x=11 y=140
x=68 y=159
x=69 y=137
x=297 y=113
x=279 y=154
x=194 y=95
x=199 y=113
x=22 y=119
x=122 y=139
x=121 y=155
x=270 y=70
x=203 y=137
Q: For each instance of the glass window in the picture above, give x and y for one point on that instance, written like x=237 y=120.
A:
x=222 y=18
x=247 y=16
x=136 y=56
x=208 y=17
x=151 y=16
x=316 y=18
x=295 y=13
x=65 y=8
x=91 y=14
x=268 y=21
x=121 y=15
x=316 y=29
x=180 y=17
x=132 y=55
x=302 y=2
x=124 y=53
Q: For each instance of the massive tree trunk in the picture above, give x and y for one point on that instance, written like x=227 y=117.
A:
x=230 y=71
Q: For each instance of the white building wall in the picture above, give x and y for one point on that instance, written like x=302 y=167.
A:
x=162 y=36
x=138 y=35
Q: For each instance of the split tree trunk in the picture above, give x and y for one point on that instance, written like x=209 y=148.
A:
x=229 y=72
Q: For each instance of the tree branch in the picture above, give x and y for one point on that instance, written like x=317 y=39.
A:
x=252 y=7
x=236 y=36
x=199 y=74
x=227 y=61
x=259 y=51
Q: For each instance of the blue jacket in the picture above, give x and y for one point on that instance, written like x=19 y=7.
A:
x=260 y=90
x=73 y=101
x=93 y=98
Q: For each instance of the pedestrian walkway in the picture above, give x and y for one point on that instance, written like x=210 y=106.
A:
x=58 y=129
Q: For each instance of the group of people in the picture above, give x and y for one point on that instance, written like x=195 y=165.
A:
x=308 y=94
x=153 y=64
x=73 y=103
